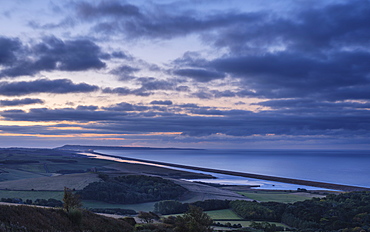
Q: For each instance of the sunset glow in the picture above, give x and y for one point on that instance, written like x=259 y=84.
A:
x=202 y=74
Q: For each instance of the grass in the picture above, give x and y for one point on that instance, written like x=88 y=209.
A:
x=34 y=168
x=13 y=174
x=248 y=223
x=29 y=218
x=43 y=158
x=223 y=214
x=148 y=206
x=279 y=196
x=32 y=195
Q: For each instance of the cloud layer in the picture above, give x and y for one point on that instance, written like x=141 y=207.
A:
x=59 y=86
x=48 y=55
x=252 y=72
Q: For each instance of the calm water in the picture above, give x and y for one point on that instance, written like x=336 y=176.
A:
x=341 y=167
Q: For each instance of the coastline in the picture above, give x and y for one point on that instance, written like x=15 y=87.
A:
x=318 y=184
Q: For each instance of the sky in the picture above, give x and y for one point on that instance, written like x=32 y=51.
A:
x=228 y=74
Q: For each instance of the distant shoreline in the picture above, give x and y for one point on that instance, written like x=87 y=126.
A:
x=85 y=148
x=251 y=175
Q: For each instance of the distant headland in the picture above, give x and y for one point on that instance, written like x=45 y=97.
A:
x=85 y=148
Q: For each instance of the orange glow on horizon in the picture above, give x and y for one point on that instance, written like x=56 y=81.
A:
x=29 y=123
x=160 y=133
x=68 y=128
x=88 y=135
x=59 y=136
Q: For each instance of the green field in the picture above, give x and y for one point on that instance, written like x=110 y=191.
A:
x=247 y=223
x=283 y=197
x=58 y=195
x=19 y=164
x=13 y=174
x=148 y=206
x=227 y=215
x=223 y=214
x=32 y=195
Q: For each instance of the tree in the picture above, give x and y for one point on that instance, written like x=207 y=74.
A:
x=148 y=217
x=70 y=200
x=195 y=220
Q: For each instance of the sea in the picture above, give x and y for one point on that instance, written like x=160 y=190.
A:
x=347 y=167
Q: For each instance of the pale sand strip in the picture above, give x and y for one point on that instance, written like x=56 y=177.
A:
x=254 y=176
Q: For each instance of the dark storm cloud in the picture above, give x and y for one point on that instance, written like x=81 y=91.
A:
x=285 y=74
x=121 y=118
x=309 y=104
x=319 y=109
x=206 y=93
x=322 y=53
x=182 y=88
x=59 y=86
x=8 y=48
x=92 y=108
x=48 y=55
x=333 y=76
x=36 y=130
x=211 y=94
x=226 y=93
x=121 y=55
x=325 y=54
x=189 y=105
x=247 y=125
x=106 y=8
x=73 y=55
x=306 y=29
x=19 y=102
x=200 y=75
x=131 y=21
x=120 y=90
x=356 y=92
x=115 y=55
x=316 y=52
x=308 y=65
x=67 y=22
x=124 y=106
x=148 y=85
x=126 y=91
x=124 y=72
x=159 y=102
x=203 y=94
x=155 y=84
x=205 y=111
x=193 y=59
x=64 y=114
x=214 y=111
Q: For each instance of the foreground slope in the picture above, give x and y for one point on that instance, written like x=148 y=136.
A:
x=28 y=218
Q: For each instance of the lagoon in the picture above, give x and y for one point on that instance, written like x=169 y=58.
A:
x=332 y=166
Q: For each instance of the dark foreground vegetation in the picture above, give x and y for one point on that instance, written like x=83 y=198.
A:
x=340 y=212
x=51 y=202
x=26 y=218
x=29 y=218
x=344 y=212
x=347 y=212
x=175 y=207
x=131 y=189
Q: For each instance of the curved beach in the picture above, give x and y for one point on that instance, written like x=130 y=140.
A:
x=250 y=175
